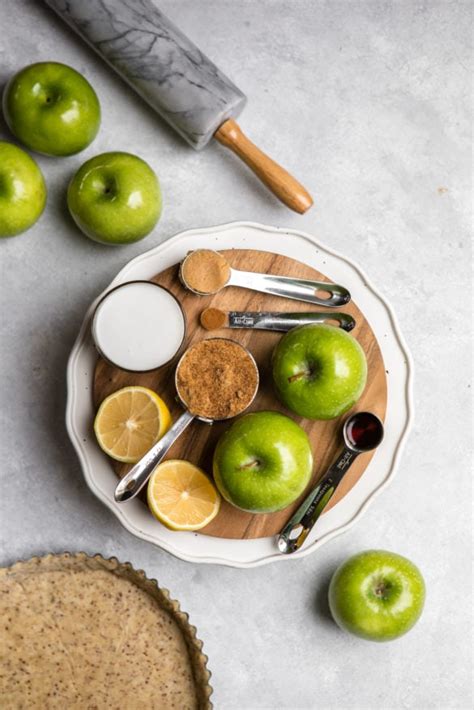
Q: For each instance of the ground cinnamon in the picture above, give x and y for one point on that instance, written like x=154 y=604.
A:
x=213 y=319
x=205 y=271
x=217 y=379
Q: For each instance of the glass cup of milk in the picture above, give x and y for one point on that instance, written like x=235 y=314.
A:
x=138 y=326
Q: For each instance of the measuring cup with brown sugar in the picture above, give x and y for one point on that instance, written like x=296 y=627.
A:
x=206 y=272
x=215 y=379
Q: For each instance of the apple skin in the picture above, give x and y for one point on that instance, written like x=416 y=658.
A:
x=377 y=595
x=22 y=190
x=51 y=109
x=263 y=462
x=333 y=371
x=115 y=198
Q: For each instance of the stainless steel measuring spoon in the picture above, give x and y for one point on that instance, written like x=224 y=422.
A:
x=281 y=322
x=132 y=483
x=286 y=286
x=362 y=432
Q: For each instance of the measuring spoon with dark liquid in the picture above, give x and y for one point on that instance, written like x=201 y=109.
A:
x=362 y=432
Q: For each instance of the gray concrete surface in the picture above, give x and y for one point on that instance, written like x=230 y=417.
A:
x=369 y=103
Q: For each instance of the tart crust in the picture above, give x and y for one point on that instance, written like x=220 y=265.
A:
x=88 y=632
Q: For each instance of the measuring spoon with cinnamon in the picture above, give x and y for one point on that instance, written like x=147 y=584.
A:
x=215 y=319
x=215 y=379
x=205 y=272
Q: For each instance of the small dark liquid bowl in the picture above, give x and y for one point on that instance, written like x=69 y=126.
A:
x=363 y=431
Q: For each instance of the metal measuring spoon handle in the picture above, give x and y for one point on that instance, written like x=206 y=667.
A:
x=136 y=478
x=300 y=524
x=284 y=322
x=289 y=287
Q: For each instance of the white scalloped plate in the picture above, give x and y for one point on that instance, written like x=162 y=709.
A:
x=98 y=472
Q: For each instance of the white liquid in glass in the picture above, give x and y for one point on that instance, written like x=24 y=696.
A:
x=138 y=326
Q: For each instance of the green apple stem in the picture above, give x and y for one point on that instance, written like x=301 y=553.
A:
x=299 y=375
x=251 y=464
x=381 y=587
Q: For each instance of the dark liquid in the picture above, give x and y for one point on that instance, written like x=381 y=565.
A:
x=364 y=431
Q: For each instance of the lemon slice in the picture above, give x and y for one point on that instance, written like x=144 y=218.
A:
x=181 y=496
x=129 y=422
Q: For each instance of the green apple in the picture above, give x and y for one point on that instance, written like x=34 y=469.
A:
x=319 y=371
x=22 y=190
x=263 y=462
x=115 y=198
x=51 y=108
x=377 y=595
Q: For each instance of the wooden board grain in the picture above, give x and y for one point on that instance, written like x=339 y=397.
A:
x=198 y=441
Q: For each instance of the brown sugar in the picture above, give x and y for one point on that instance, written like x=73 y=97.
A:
x=205 y=271
x=217 y=379
x=213 y=319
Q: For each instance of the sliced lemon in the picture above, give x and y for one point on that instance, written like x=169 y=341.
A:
x=129 y=422
x=181 y=496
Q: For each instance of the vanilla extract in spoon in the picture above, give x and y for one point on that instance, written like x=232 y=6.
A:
x=362 y=432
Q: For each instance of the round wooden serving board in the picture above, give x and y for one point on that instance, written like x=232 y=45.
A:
x=198 y=441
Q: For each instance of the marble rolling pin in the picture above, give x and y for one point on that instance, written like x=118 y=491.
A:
x=176 y=79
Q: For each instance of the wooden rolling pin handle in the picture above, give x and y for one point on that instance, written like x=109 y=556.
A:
x=281 y=183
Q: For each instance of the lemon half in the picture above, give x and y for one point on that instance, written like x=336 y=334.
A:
x=181 y=496
x=129 y=422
